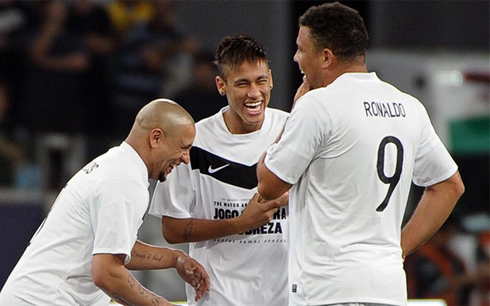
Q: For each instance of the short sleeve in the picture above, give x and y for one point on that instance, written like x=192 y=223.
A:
x=117 y=209
x=304 y=133
x=174 y=197
x=433 y=163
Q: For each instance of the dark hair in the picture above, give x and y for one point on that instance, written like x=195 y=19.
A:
x=234 y=50
x=337 y=27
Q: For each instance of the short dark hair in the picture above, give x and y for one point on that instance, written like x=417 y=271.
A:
x=337 y=27
x=234 y=50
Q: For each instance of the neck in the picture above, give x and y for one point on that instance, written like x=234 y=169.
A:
x=139 y=147
x=236 y=125
x=351 y=67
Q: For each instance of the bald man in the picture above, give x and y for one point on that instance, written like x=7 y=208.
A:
x=83 y=250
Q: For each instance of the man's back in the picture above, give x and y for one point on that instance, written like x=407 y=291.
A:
x=360 y=138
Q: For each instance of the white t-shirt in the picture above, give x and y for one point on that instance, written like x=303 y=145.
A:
x=98 y=212
x=346 y=148
x=246 y=269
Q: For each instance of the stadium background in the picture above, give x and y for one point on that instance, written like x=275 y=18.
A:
x=436 y=50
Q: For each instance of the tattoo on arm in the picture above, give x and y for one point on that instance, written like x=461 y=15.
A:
x=131 y=280
x=149 y=256
x=155 y=299
x=188 y=229
x=142 y=290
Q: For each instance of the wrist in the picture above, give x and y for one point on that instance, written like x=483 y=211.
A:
x=177 y=256
x=236 y=225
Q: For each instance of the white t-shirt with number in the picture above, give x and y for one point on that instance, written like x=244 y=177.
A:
x=351 y=150
x=246 y=269
x=98 y=212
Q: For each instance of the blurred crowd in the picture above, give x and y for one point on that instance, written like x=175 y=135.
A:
x=454 y=265
x=82 y=69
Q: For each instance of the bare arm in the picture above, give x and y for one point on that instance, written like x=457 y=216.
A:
x=110 y=274
x=193 y=230
x=434 y=207
x=270 y=186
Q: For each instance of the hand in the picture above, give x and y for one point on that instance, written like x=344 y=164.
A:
x=260 y=211
x=302 y=89
x=193 y=273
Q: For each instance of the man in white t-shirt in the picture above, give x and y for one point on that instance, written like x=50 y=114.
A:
x=212 y=201
x=81 y=253
x=349 y=152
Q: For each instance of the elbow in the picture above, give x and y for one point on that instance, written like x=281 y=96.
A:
x=458 y=185
x=268 y=193
x=101 y=279
x=265 y=192
x=460 y=189
x=171 y=239
x=107 y=270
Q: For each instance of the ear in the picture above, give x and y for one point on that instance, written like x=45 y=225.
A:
x=156 y=137
x=270 y=78
x=328 y=58
x=221 y=85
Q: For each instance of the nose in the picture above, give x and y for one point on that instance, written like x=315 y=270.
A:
x=185 y=158
x=254 y=91
x=295 y=56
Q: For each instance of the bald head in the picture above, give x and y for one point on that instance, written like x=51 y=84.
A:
x=164 y=114
x=162 y=134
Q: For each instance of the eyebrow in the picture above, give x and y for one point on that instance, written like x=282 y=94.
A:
x=260 y=77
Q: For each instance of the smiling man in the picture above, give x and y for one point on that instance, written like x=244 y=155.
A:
x=83 y=250
x=212 y=202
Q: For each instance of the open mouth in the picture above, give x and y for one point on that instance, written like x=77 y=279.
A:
x=254 y=107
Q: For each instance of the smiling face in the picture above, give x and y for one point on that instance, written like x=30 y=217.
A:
x=310 y=60
x=173 y=150
x=248 y=91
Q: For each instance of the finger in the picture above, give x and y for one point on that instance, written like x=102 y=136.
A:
x=270 y=205
x=257 y=198
x=200 y=289
x=284 y=199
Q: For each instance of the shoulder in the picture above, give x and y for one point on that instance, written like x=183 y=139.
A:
x=119 y=163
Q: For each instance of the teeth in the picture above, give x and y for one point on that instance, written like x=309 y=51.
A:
x=253 y=104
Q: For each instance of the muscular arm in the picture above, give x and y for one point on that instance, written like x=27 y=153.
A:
x=110 y=275
x=434 y=207
x=193 y=230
